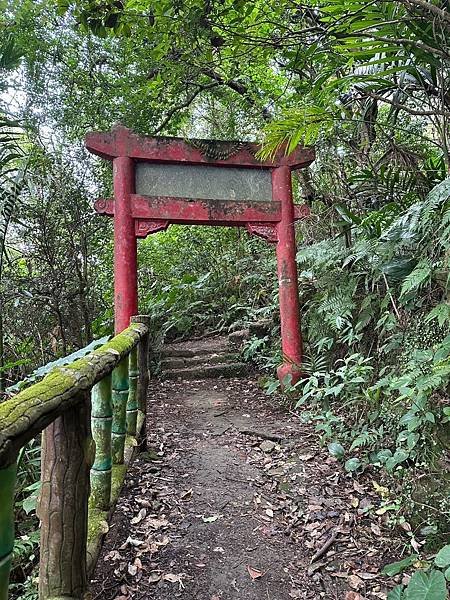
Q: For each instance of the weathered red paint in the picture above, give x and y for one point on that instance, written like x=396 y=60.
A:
x=125 y=250
x=267 y=231
x=287 y=278
x=136 y=216
x=144 y=227
x=199 y=212
x=123 y=142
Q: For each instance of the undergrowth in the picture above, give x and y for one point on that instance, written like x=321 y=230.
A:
x=376 y=321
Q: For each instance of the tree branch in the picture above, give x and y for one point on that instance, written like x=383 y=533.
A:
x=407 y=41
x=237 y=87
x=411 y=111
x=184 y=104
x=442 y=14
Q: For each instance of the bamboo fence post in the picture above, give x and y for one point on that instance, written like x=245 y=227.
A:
x=101 y=423
x=120 y=389
x=63 y=504
x=144 y=376
x=7 y=483
x=132 y=402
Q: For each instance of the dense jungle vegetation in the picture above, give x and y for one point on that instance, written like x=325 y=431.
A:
x=367 y=83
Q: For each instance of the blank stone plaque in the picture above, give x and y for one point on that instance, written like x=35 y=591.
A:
x=203 y=182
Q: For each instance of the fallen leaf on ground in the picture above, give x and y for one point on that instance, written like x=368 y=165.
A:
x=354 y=581
x=254 y=573
x=138 y=518
x=113 y=555
x=131 y=542
x=211 y=519
x=174 y=579
x=157 y=523
x=375 y=529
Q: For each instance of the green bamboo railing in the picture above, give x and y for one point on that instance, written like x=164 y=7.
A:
x=84 y=411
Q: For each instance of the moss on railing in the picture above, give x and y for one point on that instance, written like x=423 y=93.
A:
x=25 y=415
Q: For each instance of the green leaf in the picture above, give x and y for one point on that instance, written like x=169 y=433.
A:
x=412 y=440
x=443 y=557
x=30 y=502
x=396 y=593
x=416 y=278
x=399 y=457
x=441 y=312
x=398 y=268
x=352 y=465
x=336 y=450
x=424 y=586
x=398 y=567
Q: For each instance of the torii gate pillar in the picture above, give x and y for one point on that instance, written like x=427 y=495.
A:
x=291 y=337
x=125 y=245
x=159 y=181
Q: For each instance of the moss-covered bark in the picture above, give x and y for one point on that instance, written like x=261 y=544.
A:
x=60 y=405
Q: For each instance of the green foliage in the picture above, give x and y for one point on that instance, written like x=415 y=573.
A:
x=399 y=566
x=429 y=585
x=42 y=371
x=205 y=279
x=375 y=322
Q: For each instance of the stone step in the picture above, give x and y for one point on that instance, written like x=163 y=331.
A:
x=236 y=369
x=181 y=362
x=208 y=346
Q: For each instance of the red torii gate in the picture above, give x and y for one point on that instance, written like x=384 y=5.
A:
x=159 y=181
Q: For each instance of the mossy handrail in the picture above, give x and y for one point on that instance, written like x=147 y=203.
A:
x=78 y=453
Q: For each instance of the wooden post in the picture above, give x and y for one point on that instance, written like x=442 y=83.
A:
x=132 y=402
x=291 y=338
x=63 y=504
x=101 y=423
x=7 y=483
x=119 y=407
x=144 y=376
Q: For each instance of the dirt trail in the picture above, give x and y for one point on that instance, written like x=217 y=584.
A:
x=233 y=500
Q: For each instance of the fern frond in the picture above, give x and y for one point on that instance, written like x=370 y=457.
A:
x=417 y=278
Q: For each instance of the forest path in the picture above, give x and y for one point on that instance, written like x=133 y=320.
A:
x=231 y=502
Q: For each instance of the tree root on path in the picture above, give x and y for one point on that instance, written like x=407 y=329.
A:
x=325 y=547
